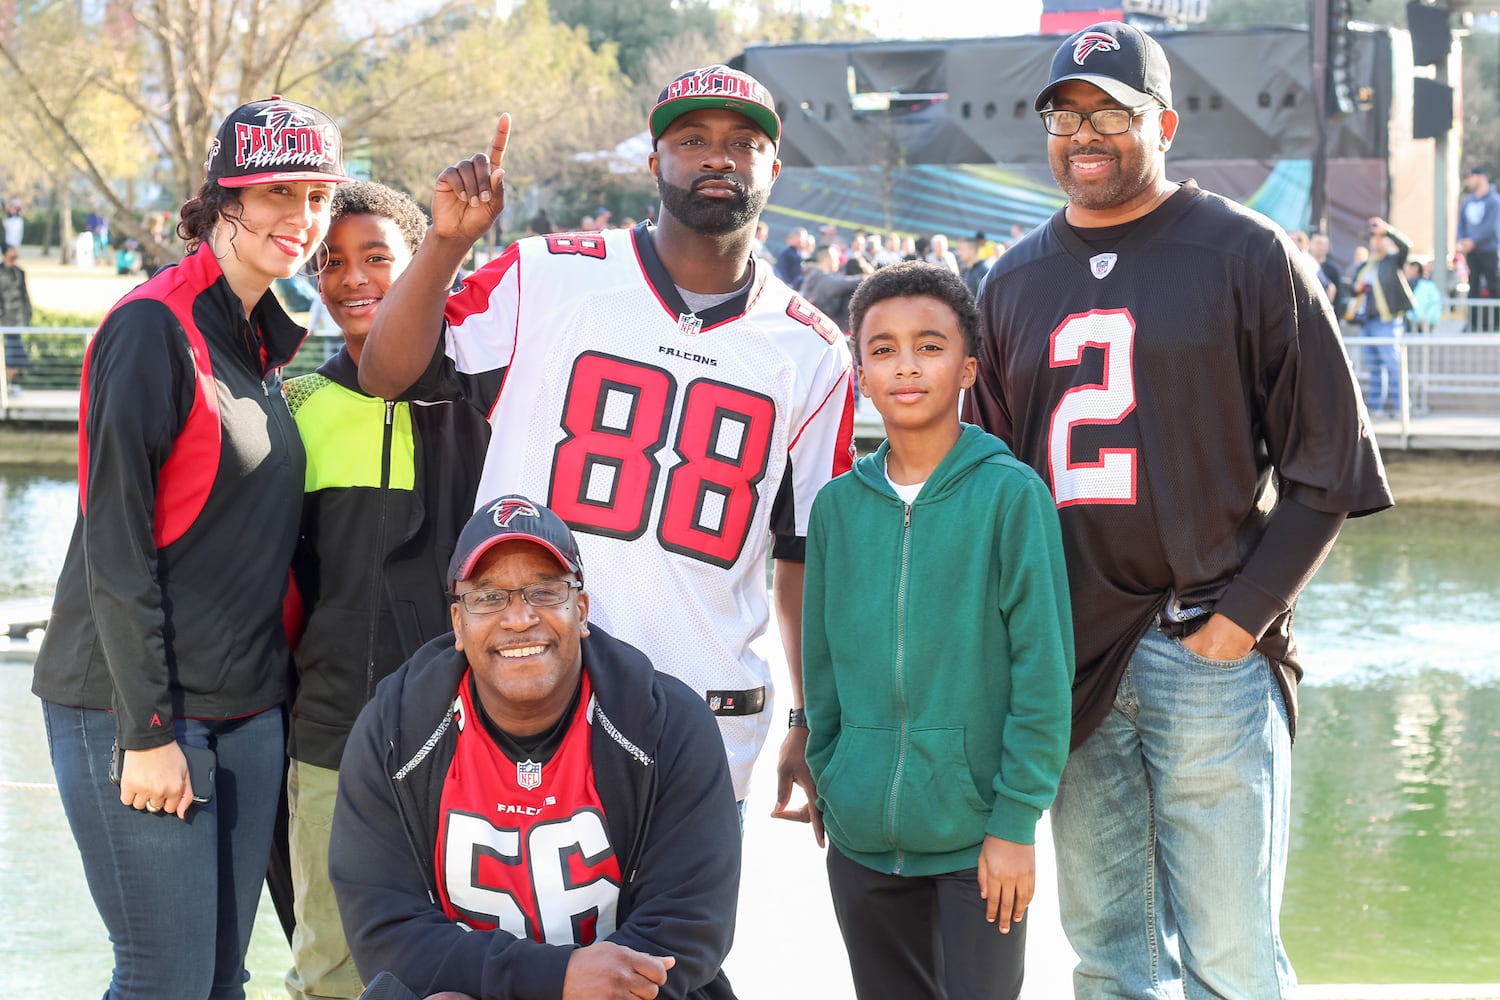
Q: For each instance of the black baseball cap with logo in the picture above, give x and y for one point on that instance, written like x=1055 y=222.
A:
x=510 y=518
x=715 y=86
x=1121 y=60
x=273 y=140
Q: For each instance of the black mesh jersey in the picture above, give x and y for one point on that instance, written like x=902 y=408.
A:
x=1169 y=390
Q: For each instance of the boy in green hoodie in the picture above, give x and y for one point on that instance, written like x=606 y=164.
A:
x=937 y=663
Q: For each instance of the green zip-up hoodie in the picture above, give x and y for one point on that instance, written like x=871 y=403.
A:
x=937 y=658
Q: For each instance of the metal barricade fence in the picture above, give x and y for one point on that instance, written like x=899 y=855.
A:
x=46 y=361
x=1446 y=372
x=43 y=365
x=1477 y=315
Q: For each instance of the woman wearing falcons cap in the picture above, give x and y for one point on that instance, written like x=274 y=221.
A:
x=165 y=665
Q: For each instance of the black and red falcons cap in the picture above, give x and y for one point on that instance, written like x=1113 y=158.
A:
x=511 y=518
x=1120 y=59
x=274 y=140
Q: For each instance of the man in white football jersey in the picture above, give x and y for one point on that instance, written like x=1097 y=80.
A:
x=675 y=403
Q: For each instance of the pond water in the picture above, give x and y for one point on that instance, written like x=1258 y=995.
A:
x=1396 y=796
x=1396 y=855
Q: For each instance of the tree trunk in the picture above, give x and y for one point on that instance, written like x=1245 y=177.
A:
x=65 y=216
x=47 y=228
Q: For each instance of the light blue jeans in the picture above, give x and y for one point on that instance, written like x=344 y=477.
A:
x=1170 y=827
x=1382 y=367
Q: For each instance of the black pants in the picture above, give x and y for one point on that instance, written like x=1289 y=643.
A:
x=922 y=936
x=1484 y=283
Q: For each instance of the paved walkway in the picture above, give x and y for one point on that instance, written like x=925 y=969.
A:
x=64 y=288
x=786 y=942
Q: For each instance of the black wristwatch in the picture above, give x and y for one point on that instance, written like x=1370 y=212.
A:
x=798 y=717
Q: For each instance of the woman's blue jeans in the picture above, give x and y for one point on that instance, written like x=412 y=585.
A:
x=178 y=897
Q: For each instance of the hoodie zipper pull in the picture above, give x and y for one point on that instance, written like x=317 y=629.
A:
x=907 y=522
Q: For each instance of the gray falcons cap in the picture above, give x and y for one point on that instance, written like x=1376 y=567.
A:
x=509 y=518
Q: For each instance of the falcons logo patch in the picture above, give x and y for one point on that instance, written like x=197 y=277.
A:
x=282 y=116
x=507 y=510
x=1093 y=41
x=290 y=137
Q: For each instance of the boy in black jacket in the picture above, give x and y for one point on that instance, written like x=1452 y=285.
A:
x=389 y=485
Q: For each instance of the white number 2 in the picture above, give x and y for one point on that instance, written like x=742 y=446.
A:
x=1110 y=479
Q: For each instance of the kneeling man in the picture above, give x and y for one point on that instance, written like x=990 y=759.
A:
x=528 y=809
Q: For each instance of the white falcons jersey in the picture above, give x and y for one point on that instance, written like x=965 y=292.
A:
x=666 y=440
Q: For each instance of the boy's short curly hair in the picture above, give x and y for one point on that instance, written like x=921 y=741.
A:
x=917 y=278
x=371 y=198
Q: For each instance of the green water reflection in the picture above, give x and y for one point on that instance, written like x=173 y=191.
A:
x=1415 y=588
x=1395 y=858
x=1396 y=798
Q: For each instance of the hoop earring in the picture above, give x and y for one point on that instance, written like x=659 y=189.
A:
x=316 y=263
x=212 y=243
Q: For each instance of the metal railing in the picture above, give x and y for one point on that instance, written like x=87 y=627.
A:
x=1440 y=374
x=43 y=367
x=42 y=359
x=1443 y=374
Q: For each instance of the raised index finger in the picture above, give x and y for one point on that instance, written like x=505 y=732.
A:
x=501 y=140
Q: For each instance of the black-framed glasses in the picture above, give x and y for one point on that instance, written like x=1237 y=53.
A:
x=538 y=595
x=1105 y=121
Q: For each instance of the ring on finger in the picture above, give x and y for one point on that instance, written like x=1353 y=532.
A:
x=152 y=807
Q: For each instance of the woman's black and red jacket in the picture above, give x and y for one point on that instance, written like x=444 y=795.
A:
x=189 y=495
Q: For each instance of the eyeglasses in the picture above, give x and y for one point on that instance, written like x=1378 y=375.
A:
x=1105 y=121
x=538 y=595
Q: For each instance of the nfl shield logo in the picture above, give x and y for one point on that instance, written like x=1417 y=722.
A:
x=714 y=702
x=689 y=325
x=1102 y=264
x=528 y=774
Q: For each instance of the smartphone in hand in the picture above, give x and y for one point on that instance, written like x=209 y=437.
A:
x=202 y=764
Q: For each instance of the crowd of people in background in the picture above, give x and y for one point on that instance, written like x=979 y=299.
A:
x=1387 y=293
x=96 y=244
x=797 y=257
x=805 y=253
x=805 y=258
x=1473 y=268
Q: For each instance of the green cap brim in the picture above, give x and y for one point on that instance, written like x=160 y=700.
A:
x=667 y=112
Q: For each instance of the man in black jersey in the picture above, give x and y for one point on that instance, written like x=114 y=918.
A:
x=1161 y=357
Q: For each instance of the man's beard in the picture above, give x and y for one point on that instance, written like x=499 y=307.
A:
x=712 y=216
x=1131 y=176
